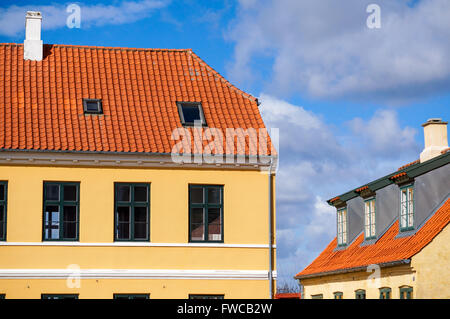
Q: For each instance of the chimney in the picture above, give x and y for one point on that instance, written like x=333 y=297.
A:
x=32 y=46
x=435 y=132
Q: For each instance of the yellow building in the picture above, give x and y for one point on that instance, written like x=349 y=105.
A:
x=392 y=234
x=117 y=181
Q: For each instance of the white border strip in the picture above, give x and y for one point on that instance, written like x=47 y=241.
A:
x=134 y=244
x=135 y=274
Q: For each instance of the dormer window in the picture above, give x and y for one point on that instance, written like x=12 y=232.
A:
x=191 y=113
x=342 y=227
x=92 y=106
x=407 y=208
x=369 y=219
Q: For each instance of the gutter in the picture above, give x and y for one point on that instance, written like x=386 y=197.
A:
x=354 y=269
x=270 y=230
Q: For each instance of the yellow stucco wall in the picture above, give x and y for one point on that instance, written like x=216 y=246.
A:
x=245 y=222
x=392 y=277
x=157 y=288
x=432 y=266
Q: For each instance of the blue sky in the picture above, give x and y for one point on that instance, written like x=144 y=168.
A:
x=348 y=100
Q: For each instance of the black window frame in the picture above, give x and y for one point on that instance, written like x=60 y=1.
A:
x=180 y=105
x=59 y=296
x=131 y=203
x=120 y=296
x=205 y=205
x=99 y=104
x=4 y=204
x=61 y=203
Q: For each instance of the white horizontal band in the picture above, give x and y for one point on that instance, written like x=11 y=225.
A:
x=135 y=274
x=133 y=244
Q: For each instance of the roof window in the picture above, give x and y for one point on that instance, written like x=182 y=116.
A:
x=191 y=113
x=92 y=106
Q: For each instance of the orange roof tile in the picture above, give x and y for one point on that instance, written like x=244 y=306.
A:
x=41 y=101
x=409 y=164
x=387 y=249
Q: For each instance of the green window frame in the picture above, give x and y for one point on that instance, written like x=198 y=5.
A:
x=360 y=294
x=2 y=296
x=3 y=208
x=385 y=293
x=370 y=219
x=406 y=293
x=204 y=296
x=61 y=211
x=407 y=208
x=341 y=223
x=131 y=211
x=131 y=296
x=338 y=295
x=318 y=296
x=206 y=213
x=59 y=296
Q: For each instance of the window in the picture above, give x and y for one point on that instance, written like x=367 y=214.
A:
x=59 y=296
x=131 y=296
x=206 y=296
x=61 y=211
x=2 y=296
x=92 y=106
x=407 y=208
x=132 y=211
x=191 y=113
x=338 y=295
x=320 y=296
x=385 y=293
x=369 y=225
x=406 y=293
x=360 y=294
x=205 y=213
x=342 y=227
x=3 y=199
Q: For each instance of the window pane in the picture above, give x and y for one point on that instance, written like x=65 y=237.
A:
x=140 y=214
x=140 y=193
x=123 y=193
x=70 y=192
x=70 y=230
x=140 y=223
x=2 y=192
x=70 y=213
x=140 y=230
x=197 y=195
x=191 y=113
x=214 y=224
x=197 y=224
x=214 y=196
x=123 y=214
x=2 y=213
x=92 y=106
x=123 y=220
x=51 y=219
x=51 y=192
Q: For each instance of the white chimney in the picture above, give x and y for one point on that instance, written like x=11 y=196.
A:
x=32 y=46
x=435 y=132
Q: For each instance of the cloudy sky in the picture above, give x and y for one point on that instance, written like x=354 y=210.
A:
x=348 y=99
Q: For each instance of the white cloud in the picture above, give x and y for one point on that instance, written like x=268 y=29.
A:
x=12 y=19
x=325 y=49
x=317 y=164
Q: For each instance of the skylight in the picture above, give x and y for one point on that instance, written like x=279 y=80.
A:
x=191 y=113
x=92 y=106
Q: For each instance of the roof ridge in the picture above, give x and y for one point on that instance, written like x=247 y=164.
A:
x=103 y=47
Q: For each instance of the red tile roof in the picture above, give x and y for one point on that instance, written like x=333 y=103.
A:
x=358 y=190
x=387 y=249
x=41 y=101
x=288 y=295
x=398 y=175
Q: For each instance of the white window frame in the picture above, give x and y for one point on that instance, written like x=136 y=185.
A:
x=342 y=233
x=406 y=219
x=370 y=218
